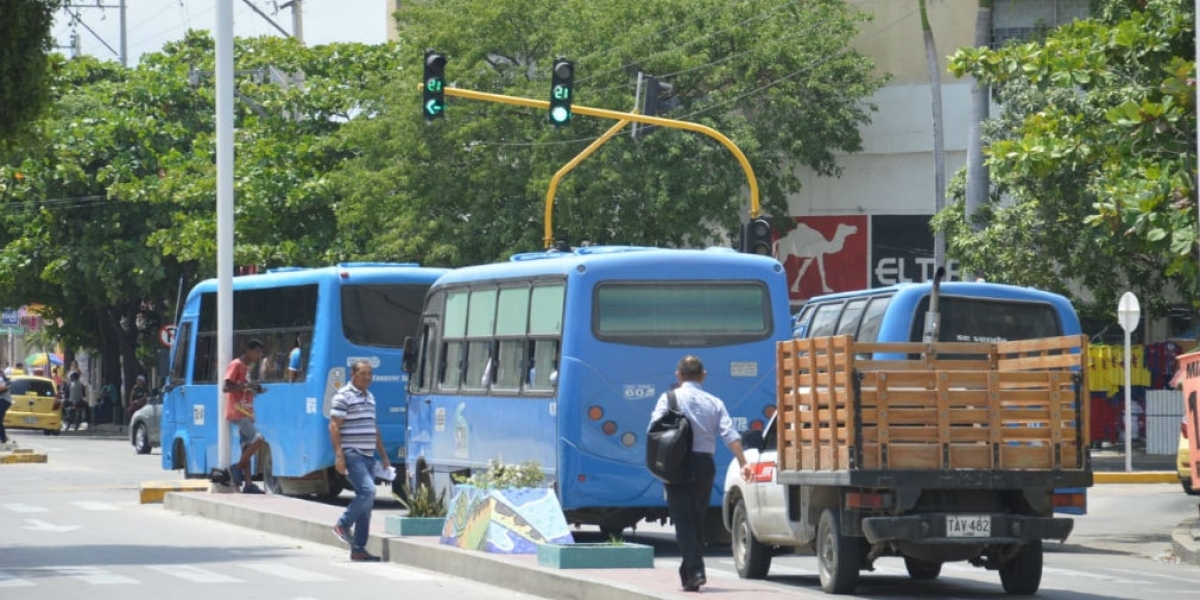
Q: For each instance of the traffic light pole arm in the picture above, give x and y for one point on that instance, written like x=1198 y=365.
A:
x=574 y=162
x=631 y=117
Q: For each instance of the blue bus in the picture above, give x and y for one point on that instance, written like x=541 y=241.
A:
x=337 y=315
x=559 y=357
x=968 y=312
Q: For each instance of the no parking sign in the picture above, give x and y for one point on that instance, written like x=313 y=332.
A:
x=166 y=335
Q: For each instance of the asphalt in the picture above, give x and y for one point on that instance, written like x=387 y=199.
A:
x=313 y=521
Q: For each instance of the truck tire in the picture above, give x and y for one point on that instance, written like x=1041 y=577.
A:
x=838 y=557
x=922 y=570
x=1022 y=575
x=751 y=557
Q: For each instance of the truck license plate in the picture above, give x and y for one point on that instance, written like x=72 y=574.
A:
x=30 y=420
x=968 y=526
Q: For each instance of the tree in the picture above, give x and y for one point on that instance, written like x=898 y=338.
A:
x=1095 y=154
x=25 y=63
x=777 y=77
x=110 y=207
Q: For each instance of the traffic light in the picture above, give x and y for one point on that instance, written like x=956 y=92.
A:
x=562 y=91
x=653 y=100
x=756 y=237
x=435 y=85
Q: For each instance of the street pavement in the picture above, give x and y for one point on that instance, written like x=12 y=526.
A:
x=312 y=521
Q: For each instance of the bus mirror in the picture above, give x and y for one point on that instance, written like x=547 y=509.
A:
x=408 y=363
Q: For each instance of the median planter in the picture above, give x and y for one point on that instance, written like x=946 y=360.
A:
x=596 y=556
x=429 y=526
x=504 y=521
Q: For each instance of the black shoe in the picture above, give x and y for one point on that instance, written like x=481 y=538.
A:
x=363 y=556
x=694 y=582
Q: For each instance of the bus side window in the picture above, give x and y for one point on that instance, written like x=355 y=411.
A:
x=183 y=352
x=868 y=329
x=848 y=323
x=824 y=319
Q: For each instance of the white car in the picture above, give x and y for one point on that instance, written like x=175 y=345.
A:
x=755 y=511
x=145 y=427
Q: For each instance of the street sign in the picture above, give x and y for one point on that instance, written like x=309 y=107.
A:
x=10 y=318
x=166 y=335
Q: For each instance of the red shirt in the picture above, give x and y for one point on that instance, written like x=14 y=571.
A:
x=239 y=404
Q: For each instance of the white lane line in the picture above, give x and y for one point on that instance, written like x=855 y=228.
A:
x=91 y=505
x=25 y=508
x=1094 y=576
x=396 y=573
x=93 y=575
x=291 y=573
x=1191 y=580
x=9 y=581
x=39 y=525
x=195 y=574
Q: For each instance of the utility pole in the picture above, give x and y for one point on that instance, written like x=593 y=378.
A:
x=297 y=18
x=123 y=53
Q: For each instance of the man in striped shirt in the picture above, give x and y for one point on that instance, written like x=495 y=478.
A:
x=356 y=438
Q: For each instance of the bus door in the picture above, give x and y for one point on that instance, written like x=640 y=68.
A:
x=179 y=415
x=420 y=409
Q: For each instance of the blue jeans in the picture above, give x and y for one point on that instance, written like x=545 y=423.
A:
x=358 y=514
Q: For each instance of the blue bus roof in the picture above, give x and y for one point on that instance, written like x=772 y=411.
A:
x=977 y=289
x=648 y=261
x=350 y=272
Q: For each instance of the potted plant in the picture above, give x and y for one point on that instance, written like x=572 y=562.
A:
x=426 y=512
x=616 y=553
x=505 y=509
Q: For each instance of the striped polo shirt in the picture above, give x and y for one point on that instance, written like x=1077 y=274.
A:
x=356 y=408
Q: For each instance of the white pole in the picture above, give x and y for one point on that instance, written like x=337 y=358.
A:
x=1128 y=410
x=224 y=215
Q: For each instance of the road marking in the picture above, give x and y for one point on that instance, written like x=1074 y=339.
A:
x=396 y=573
x=292 y=573
x=1095 y=576
x=25 y=508
x=39 y=525
x=90 y=505
x=93 y=575
x=195 y=574
x=9 y=581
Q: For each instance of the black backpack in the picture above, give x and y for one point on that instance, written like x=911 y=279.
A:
x=668 y=445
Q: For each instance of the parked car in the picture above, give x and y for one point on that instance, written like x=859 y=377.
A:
x=1183 y=463
x=145 y=427
x=35 y=405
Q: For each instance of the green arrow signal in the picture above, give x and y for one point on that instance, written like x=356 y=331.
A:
x=433 y=107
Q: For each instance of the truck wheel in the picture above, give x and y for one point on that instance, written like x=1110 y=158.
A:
x=922 y=570
x=838 y=556
x=1022 y=575
x=751 y=557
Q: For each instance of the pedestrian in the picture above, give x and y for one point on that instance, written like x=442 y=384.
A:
x=108 y=401
x=5 y=404
x=76 y=403
x=688 y=502
x=139 y=395
x=239 y=410
x=356 y=438
x=294 y=370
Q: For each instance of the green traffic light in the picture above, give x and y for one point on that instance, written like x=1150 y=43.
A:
x=560 y=115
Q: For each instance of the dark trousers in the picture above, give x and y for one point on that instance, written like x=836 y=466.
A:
x=688 y=505
x=4 y=406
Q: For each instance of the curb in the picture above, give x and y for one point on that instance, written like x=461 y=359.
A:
x=21 y=456
x=152 y=492
x=1135 y=477
x=1185 y=539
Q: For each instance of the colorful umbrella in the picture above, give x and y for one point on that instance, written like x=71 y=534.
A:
x=41 y=359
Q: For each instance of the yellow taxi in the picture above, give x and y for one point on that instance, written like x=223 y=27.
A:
x=35 y=405
x=1183 y=464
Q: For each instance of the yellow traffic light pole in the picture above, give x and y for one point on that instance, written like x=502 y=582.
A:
x=623 y=119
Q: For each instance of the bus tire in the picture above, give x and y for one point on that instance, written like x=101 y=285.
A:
x=1022 y=574
x=270 y=482
x=838 y=556
x=398 y=484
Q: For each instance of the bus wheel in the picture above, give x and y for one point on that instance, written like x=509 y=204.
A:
x=270 y=482
x=398 y=483
x=334 y=484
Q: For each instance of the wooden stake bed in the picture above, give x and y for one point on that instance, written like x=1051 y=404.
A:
x=846 y=406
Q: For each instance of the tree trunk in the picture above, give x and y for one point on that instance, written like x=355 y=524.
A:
x=939 y=142
x=978 y=184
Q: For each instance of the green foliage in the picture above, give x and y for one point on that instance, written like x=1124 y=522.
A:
x=1094 y=154
x=424 y=502
x=26 y=67
x=501 y=476
x=776 y=76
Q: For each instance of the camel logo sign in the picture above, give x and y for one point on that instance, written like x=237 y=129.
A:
x=824 y=254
